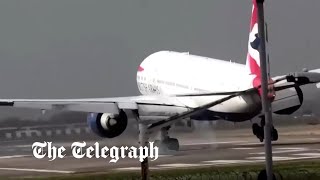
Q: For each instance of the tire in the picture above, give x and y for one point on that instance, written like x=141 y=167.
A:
x=157 y=143
x=274 y=134
x=263 y=175
x=255 y=129
x=172 y=144
x=261 y=139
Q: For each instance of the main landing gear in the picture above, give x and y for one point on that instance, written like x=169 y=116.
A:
x=259 y=130
x=166 y=143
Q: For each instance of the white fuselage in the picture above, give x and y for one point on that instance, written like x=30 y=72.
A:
x=171 y=73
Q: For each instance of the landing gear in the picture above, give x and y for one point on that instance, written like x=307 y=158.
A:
x=259 y=131
x=166 y=143
x=143 y=141
x=274 y=134
x=169 y=144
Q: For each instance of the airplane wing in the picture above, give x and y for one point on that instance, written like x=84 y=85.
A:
x=97 y=105
x=112 y=105
x=147 y=105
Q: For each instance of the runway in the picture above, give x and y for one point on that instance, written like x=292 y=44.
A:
x=226 y=148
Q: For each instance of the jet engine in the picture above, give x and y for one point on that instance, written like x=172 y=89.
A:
x=107 y=125
x=288 y=101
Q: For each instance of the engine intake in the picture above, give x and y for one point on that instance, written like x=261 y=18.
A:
x=108 y=125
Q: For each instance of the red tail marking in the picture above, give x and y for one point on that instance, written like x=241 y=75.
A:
x=254 y=14
x=140 y=69
x=254 y=67
x=251 y=62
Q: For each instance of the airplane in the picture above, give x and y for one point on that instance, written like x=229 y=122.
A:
x=179 y=85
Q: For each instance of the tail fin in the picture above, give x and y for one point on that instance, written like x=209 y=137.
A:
x=253 y=56
x=253 y=59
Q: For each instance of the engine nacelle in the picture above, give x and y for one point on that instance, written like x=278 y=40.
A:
x=108 y=125
x=288 y=101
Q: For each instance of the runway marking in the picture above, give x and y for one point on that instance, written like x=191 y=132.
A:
x=308 y=154
x=160 y=156
x=275 y=158
x=23 y=146
x=129 y=169
x=281 y=151
x=14 y=156
x=292 y=148
x=179 y=165
x=243 y=148
x=165 y=155
x=133 y=168
x=281 y=158
x=228 y=161
x=38 y=170
x=217 y=142
x=247 y=144
x=307 y=157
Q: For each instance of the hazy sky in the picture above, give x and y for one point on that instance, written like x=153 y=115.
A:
x=91 y=48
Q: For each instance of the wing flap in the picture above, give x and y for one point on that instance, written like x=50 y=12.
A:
x=154 y=104
x=160 y=110
x=80 y=107
x=127 y=105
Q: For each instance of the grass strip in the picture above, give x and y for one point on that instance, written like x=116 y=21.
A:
x=283 y=170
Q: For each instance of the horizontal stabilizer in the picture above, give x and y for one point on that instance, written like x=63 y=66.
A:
x=305 y=77
x=316 y=71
